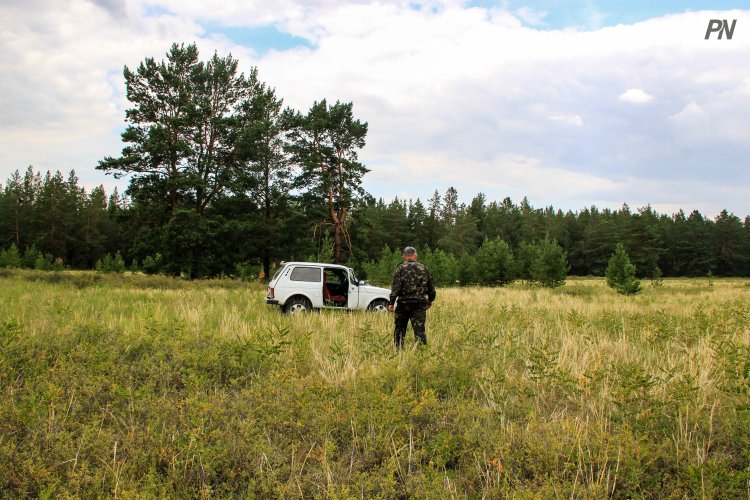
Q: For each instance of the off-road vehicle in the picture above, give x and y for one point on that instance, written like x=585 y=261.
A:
x=303 y=286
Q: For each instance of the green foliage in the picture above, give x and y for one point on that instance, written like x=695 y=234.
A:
x=152 y=264
x=45 y=262
x=549 y=266
x=324 y=144
x=325 y=254
x=495 y=263
x=657 y=278
x=381 y=271
x=192 y=246
x=111 y=264
x=442 y=265
x=10 y=257
x=212 y=154
x=194 y=389
x=467 y=270
x=621 y=273
x=246 y=271
x=30 y=257
x=524 y=258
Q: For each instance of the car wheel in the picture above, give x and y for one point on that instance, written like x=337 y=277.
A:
x=379 y=306
x=297 y=305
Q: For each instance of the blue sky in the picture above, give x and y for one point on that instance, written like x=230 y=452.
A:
x=260 y=38
x=571 y=104
x=551 y=14
x=590 y=14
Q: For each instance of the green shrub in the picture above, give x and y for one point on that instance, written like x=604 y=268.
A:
x=152 y=265
x=549 y=266
x=381 y=272
x=10 y=257
x=495 y=263
x=621 y=273
x=45 y=262
x=111 y=264
x=30 y=257
x=467 y=269
x=443 y=266
x=657 y=279
x=524 y=258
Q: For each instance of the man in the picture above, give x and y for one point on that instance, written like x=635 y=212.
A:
x=413 y=287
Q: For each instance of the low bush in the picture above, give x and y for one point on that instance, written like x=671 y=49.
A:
x=129 y=385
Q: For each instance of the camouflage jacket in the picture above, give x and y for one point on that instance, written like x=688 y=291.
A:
x=411 y=282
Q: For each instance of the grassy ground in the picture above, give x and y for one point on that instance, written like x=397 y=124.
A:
x=136 y=386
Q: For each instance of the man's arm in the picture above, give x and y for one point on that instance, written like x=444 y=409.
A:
x=396 y=285
x=431 y=292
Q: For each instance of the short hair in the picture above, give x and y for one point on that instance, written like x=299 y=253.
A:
x=409 y=251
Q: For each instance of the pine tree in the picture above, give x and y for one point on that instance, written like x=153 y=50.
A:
x=467 y=269
x=266 y=175
x=728 y=244
x=621 y=273
x=433 y=226
x=524 y=259
x=495 y=263
x=324 y=145
x=449 y=207
x=549 y=266
x=10 y=257
x=462 y=235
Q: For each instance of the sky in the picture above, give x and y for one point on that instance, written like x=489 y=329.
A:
x=570 y=104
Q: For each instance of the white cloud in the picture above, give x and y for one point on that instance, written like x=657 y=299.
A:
x=531 y=16
x=517 y=109
x=689 y=111
x=636 y=96
x=569 y=119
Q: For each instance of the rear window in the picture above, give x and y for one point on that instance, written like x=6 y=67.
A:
x=311 y=274
x=277 y=273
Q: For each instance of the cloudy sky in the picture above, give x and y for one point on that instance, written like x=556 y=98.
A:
x=591 y=103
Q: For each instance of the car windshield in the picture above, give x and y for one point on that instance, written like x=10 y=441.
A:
x=352 y=276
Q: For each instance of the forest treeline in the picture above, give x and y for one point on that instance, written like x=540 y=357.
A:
x=226 y=180
x=50 y=218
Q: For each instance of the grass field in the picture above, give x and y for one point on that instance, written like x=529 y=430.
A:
x=138 y=386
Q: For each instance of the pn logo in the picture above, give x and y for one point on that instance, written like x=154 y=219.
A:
x=720 y=26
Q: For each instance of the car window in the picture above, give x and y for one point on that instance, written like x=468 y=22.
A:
x=332 y=277
x=277 y=273
x=311 y=274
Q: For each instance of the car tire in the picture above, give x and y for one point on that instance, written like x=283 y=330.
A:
x=297 y=305
x=379 y=305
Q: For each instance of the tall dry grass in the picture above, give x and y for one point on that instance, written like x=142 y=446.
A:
x=144 y=386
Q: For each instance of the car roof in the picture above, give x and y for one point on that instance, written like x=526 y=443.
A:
x=321 y=264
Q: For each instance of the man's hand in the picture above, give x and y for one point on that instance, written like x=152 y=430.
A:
x=429 y=304
x=390 y=307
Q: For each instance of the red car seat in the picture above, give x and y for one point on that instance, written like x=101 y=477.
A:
x=327 y=297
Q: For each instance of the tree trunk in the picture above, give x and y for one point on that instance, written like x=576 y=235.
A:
x=267 y=206
x=337 y=243
x=336 y=228
x=266 y=266
x=18 y=230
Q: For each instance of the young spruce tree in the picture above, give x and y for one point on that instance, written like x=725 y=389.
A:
x=621 y=273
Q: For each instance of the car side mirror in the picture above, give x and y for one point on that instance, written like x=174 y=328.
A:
x=360 y=282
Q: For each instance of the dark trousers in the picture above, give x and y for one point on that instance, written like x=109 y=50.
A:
x=417 y=313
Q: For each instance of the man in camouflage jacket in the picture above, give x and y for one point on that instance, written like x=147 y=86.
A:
x=413 y=287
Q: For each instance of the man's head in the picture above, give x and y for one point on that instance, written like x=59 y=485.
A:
x=409 y=253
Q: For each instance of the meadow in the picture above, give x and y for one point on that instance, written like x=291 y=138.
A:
x=133 y=386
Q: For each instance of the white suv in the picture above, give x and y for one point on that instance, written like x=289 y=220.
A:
x=302 y=286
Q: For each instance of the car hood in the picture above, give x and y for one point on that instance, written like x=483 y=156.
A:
x=375 y=290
